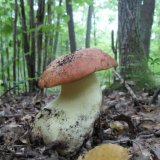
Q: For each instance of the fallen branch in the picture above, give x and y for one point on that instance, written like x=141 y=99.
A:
x=126 y=85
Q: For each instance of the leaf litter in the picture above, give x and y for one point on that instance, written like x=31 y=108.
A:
x=135 y=126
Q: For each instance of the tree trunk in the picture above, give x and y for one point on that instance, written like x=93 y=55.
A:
x=14 y=41
x=8 y=70
x=89 y=26
x=32 y=35
x=132 y=57
x=71 y=26
x=40 y=18
x=147 y=12
x=3 y=77
x=94 y=29
x=26 y=48
x=57 y=32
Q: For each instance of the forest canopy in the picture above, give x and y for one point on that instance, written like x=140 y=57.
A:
x=35 y=32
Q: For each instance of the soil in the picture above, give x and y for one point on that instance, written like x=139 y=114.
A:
x=133 y=125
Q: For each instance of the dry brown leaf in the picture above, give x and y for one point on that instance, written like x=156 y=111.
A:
x=106 y=152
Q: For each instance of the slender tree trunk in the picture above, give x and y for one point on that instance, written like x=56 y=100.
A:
x=32 y=40
x=147 y=12
x=47 y=35
x=71 y=26
x=14 y=41
x=27 y=48
x=18 y=65
x=8 y=70
x=57 y=32
x=23 y=71
x=2 y=66
x=94 y=28
x=89 y=26
x=40 y=18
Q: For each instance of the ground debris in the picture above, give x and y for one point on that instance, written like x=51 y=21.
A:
x=120 y=122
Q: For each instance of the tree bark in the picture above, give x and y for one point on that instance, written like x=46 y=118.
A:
x=8 y=70
x=3 y=77
x=147 y=12
x=94 y=28
x=57 y=32
x=132 y=58
x=40 y=18
x=26 y=48
x=89 y=26
x=32 y=35
x=71 y=26
x=14 y=41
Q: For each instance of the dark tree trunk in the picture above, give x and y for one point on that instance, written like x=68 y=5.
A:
x=71 y=26
x=89 y=26
x=57 y=32
x=26 y=48
x=147 y=12
x=25 y=40
x=14 y=41
x=132 y=57
x=47 y=35
x=8 y=70
x=40 y=18
x=94 y=28
x=32 y=35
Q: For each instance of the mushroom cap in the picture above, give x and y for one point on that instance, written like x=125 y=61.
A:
x=75 y=66
x=106 y=152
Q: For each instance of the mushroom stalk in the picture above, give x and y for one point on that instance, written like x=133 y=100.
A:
x=70 y=117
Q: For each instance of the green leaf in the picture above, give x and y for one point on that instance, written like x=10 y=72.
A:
x=66 y=18
x=60 y=10
x=47 y=28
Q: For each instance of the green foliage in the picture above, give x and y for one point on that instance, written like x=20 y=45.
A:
x=105 y=14
x=81 y=2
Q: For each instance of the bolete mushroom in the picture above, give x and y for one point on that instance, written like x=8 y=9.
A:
x=106 y=152
x=70 y=117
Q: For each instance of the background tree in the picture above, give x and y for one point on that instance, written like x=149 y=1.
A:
x=133 y=64
x=55 y=45
x=147 y=13
x=71 y=26
x=33 y=33
x=40 y=19
x=89 y=25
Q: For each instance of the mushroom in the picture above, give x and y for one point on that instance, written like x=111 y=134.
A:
x=106 y=152
x=70 y=117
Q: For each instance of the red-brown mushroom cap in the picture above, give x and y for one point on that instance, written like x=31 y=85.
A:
x=75 y=66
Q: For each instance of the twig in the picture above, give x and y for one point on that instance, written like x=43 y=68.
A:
x=5 y=93
x=126 y=85
x=155 y=96
x=114 y=46
x=128 y=120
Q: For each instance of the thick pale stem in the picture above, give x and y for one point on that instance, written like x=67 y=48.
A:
x=71 y=116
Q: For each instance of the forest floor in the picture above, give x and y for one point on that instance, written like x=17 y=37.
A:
x=135 y=126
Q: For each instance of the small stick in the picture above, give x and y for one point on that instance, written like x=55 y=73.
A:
x=126 y=85
x=155 y=96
